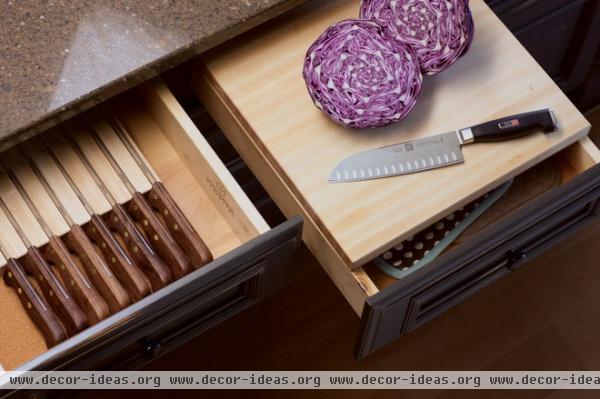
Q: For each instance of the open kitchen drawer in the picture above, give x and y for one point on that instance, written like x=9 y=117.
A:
x=251 y=260
x=253 y=89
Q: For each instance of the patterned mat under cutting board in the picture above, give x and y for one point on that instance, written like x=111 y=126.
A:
x=446 y=233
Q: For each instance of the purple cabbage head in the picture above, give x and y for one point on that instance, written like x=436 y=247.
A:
x=439 y=31
x=358 y=78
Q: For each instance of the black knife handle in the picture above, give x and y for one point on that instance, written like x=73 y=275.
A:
x=510 y=127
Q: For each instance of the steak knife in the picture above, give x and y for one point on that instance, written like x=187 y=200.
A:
x=438 y=151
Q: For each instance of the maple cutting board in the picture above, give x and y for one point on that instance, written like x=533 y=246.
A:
x=258 y=78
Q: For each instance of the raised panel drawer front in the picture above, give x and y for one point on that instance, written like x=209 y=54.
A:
x=184 y=309
x=251 y=259
x=253 y=89
x=499 y=249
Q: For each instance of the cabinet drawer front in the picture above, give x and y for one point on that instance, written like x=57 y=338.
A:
x=473 y=278
x=500 y=248
x=184 y=309
x=516 y=14
x=555 y=30
x=449 y=292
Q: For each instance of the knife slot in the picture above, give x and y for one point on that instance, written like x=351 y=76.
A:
x=199 y=183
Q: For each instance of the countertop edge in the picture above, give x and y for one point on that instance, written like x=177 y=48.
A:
x=142 y=74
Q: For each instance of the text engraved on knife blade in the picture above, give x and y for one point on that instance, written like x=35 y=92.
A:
x=403 y=158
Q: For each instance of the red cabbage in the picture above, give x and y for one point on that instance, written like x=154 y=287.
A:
x=358 y=78
x=439 y=31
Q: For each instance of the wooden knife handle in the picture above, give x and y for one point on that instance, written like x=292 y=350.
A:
x=35 y=305
x=94 y=306
x=120 y=262
x=101 y=275
x=139 y=248
x=159 y=236
x=64 y=306
x=178 y=225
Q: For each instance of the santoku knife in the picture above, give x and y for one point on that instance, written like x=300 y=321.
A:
x=437 y=151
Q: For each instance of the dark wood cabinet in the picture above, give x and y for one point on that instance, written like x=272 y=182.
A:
x=564 y=37
x=498 y=250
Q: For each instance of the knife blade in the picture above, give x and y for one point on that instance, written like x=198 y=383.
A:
x=437 y=151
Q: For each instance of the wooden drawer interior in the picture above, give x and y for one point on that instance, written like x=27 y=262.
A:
x=568 y=163
x=572 y=161
x=195 y=177
x=254 y=92
x=363 y=282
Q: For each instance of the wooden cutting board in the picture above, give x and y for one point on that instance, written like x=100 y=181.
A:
x=259 y=77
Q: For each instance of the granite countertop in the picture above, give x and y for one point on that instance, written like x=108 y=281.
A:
x=59 y=57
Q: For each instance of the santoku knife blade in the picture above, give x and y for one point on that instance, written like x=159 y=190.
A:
x=437 y=151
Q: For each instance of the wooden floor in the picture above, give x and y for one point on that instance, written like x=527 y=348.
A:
x=544 y=316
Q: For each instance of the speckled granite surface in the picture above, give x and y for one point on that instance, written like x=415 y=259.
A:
x=60 y=57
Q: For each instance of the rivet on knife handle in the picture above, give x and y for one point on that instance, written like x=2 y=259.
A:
x=181 y=229
x=99 y=272
x=510 y=127
x=121 y=263
x=160 y=199
x=77 y=283
x=75 y=239
x=86 y=295
x=139 y=248
x=118 y=219
x=61 y=301
x=34 y=304
x=161 y=239
x=159 y=236
x=436 y=151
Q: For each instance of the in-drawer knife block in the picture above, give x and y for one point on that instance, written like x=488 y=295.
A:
x=142 y=167
x=253 y=88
